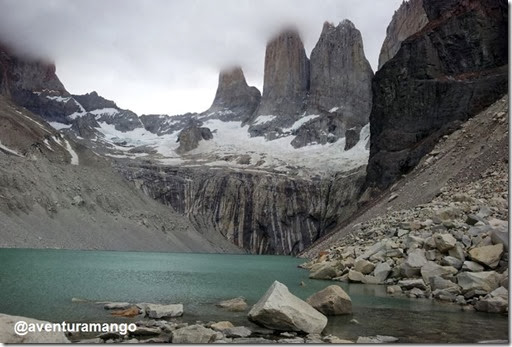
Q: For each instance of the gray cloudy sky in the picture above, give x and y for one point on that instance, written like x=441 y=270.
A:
x=163 y=56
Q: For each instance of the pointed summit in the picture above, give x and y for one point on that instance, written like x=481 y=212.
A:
x=340 y=73
x=235 y=95
x=286 y=79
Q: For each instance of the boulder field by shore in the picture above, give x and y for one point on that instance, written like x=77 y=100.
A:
x=454 y=249
x=281 y=317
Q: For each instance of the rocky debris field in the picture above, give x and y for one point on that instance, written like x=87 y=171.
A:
x=278 y=317
x=454 y=249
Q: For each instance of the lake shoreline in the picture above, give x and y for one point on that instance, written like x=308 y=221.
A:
x=52 y=278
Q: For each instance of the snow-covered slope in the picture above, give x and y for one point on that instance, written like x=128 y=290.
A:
x=232 y=146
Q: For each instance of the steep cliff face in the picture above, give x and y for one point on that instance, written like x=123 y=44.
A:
x=407 y=20
x=34 y=84
x=259 y=212
x=340 y=74
x=447 y=72
x=286 y=76
x=234 y=99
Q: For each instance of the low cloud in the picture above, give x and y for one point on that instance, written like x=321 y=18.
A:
x=162 y=56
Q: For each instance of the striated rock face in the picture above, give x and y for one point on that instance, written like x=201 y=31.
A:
x=262 y=213
x=407 y=20
x=234 y=95
x=447 y=72
x=286 y=76
x=340 y=74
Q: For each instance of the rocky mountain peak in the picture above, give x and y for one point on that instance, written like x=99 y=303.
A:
x=92 y=101
x=234 y=95
x=407 y=20
x=231 y=76
x=34 y=75
x=286 y=76
x=340 y=73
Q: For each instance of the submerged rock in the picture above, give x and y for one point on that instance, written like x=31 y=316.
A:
x=223 y=325
x=280 y=310
x=235 y=305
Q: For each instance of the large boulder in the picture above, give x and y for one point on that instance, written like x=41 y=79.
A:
x=163 y=311
x=324 y=271
x=444 y=242
x=7 y=334
x=469 y=265
x=195 y=334
x=382 y=271
x=432 y=269
x=278 y=309
x=364 y=266
x=500 y=236
x=487 y=255
x=492 y=304
x=439 y=283
x=415 y=261
x=412 y=283
x=356 y=276
x=486 y=281
x=331 y=301
x=222 y=325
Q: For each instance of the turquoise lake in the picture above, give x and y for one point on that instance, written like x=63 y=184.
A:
x=41 y=284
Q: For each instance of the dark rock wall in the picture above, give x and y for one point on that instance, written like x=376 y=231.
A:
x=442 y=75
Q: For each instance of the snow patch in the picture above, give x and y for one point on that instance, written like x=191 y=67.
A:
x=74 y=156
x=334 y=109
x=78 y=114
x=59 y=126
x=264 y=119
x=105 y=112
x=301 y=122
x=47 y=143
x=59 y=98
x=9 y=150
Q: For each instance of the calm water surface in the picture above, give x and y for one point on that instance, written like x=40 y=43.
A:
x=41 y=284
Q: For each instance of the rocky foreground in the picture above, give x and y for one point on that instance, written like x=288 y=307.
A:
x=454 y=249
x=280 y=317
